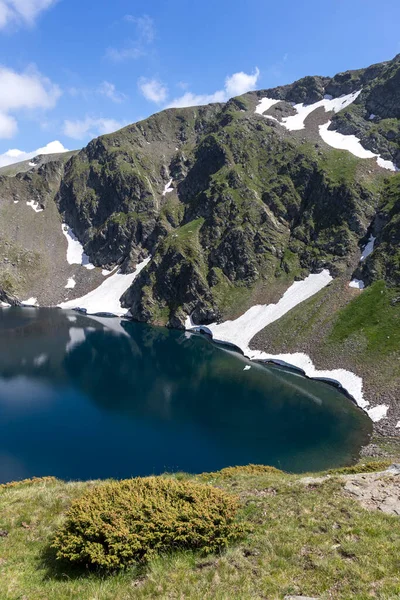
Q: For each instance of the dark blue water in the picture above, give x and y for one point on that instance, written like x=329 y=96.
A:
x=79 y=400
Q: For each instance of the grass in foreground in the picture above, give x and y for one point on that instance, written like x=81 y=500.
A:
x=309 y=540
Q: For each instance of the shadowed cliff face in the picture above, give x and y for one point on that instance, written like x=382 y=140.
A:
x=231 y=206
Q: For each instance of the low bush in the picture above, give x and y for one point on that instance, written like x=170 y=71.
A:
x=369 y=467
x=228 y=472
x=118 y=523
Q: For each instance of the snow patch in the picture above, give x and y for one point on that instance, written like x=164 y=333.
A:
x=398 y=425
x=372 y=117
x=35 y=206
x=378 y=412
x=168 y=188
x=352 y=144
x=30 y=302
x=386 y=164
x=16 y=201
x=296 y=122
x=75 y=252
x=71 y=283
x=357 y=283
x=4 y=304
x=265 y=104
x=32 y=164
x=368 y=248
x=105 y=298
x=242 y=330
x=247 y=368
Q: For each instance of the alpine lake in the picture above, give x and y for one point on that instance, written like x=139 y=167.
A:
x=94 y=397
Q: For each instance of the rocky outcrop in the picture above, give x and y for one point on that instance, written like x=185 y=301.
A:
x=384 y=262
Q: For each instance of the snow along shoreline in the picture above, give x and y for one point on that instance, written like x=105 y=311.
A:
x=106 y=297
x=242 y=330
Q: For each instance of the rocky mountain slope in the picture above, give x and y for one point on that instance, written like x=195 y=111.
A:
x=230 y=204
x=233 y=202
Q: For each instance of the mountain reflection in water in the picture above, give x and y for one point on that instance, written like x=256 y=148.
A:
x=87 y=397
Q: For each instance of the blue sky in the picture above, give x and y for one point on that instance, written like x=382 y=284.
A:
x=73 y=69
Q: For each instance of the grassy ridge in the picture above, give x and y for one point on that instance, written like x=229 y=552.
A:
x=375 y=315
x=302 y=539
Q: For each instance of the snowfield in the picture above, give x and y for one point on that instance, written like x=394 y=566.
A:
x=105 y=298
x=333 y=138
x=296 y=122
x=242 y=330
x=75 y=252
x=352 y=144
x=265 y=104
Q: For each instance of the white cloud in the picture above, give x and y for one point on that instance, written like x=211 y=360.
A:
x=189 y=99
x=90 y=127
x=153 y=90
x=8 y=126
x=128 y=52
x=13 y=156
x=22 y=11
x=235 y=85
x=29 y=90
x=138 y=47
x=106 y=89
x=145 y=27
x=109 y=90
x=240 y=83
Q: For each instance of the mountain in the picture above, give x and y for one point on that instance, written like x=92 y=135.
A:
x=233 y=202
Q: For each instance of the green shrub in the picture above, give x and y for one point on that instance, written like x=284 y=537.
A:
x=228 y=472
x=369 y=467
x=122 y=522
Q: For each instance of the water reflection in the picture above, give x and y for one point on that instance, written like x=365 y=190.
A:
x=104 y=397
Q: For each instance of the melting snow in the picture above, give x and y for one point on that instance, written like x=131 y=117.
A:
x=386 y=164
x=296 y=122
x=75 y=252
x=240 y=332
x=332 y=138
x=35 y=206
x=71 y=283
x=106 y=297
x=368 y=248
x=168 y=188
x=30 y=302
x=265 y=104
x=352 y=144
x=357 y=283
x=4 y=304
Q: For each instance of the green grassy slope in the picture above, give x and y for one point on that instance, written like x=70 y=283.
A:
x=301 y=539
